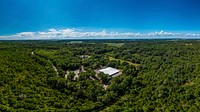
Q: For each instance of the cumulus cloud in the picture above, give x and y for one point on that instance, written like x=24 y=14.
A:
x=78 y=34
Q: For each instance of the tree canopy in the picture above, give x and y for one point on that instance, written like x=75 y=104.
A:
x=157 y=75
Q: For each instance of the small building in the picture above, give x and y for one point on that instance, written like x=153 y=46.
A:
x=110 y=71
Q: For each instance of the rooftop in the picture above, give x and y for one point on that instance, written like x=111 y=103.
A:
x=109 y=70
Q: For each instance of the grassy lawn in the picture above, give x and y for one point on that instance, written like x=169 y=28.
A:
x=75 y=42
x=188 y=84
x=115 y=44
x=121 y=61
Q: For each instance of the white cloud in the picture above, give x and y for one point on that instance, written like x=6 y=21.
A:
x=78 y=34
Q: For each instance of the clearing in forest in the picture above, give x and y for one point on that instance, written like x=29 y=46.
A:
x=115 y=44
x=188 y=84
x=75 y=42
x=121 y=61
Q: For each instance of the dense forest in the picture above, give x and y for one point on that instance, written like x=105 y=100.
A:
x=157 y=75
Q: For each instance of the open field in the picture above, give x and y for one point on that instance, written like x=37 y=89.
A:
x=121 y=61
x=115 y=44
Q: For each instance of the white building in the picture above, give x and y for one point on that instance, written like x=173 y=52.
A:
x=110 y=71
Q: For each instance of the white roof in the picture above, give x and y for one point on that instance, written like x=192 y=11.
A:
x=109 y=71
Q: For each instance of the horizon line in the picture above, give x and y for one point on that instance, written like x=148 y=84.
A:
x=73 y=33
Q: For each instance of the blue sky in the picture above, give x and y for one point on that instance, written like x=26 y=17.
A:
x=94 y=15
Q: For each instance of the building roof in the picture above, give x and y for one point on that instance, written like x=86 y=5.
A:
x=109 y=70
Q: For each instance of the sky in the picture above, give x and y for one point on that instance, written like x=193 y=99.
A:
x=30 y=19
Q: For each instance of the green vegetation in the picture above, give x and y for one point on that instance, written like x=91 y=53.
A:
x=157 y=75
x=115 y=44
x=76 y=42
x=122 y=61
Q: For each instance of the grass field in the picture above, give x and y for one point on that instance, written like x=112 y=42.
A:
x=75 y=42
x=121 y=61
x=115 y=44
